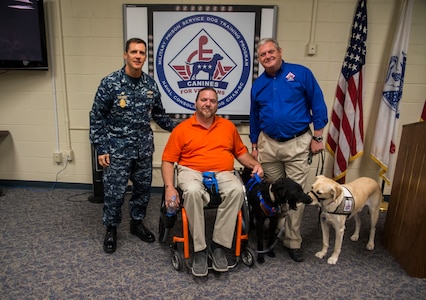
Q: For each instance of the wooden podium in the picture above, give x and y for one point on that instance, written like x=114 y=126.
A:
x=404 y=233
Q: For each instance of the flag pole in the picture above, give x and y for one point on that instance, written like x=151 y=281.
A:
x=385 y=203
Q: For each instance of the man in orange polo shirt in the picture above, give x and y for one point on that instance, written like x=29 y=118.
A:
x=207 y=143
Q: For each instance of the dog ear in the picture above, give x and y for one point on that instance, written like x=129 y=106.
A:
x=336 y=192
x=279 y=190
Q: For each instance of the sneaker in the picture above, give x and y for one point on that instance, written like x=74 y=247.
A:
x=219 y=261
x=199 y=264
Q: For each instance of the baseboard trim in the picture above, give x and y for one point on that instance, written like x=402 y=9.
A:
x=58 y=185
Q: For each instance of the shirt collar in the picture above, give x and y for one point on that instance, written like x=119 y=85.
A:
x=280 y=70
x=194 y=121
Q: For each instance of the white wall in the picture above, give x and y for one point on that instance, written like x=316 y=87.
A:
x=87 y=45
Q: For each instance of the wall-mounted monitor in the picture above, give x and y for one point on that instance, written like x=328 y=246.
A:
x=22 y=35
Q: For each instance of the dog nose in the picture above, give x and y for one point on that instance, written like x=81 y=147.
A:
x=306 y=199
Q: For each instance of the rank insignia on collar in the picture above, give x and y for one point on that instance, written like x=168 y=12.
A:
x=150 y=94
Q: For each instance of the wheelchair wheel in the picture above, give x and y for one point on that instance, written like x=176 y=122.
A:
x=248 y=257
x=177 y=260
x=162 y=230
x=246 y=216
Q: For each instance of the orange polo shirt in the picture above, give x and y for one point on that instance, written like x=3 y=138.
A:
x=214 y=149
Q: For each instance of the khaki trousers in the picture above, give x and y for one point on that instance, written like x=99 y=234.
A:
x=196 y=197
x=287 y=159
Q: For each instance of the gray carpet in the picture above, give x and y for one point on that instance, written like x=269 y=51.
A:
x=51 y=248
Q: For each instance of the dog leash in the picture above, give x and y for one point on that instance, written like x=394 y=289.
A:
x=321 y=160
x=322 y=164
x=253 y=181
x=277 y=238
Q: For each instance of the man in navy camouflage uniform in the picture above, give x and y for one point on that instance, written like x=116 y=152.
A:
x=125 y=103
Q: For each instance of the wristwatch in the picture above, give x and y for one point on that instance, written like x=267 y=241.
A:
x=317 y=138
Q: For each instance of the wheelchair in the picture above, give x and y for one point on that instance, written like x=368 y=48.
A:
x=179 y=261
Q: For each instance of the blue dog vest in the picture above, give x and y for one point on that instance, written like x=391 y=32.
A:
x=268 y=210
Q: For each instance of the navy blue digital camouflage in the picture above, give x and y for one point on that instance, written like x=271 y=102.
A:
x=116 y=177
x=121 y=115
x=120 y=126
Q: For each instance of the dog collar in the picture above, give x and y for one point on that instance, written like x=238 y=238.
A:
x=268 y=210
x=316 y=196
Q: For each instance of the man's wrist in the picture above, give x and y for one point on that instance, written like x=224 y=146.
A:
x=318 y=139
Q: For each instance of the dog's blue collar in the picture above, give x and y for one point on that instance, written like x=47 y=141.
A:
x=268 y=210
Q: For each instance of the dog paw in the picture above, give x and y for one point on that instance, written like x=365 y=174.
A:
x=354 y=237
x=260 y=260
x=370 y=246
x=332 y=260
x=271 y=253
x=320 y=254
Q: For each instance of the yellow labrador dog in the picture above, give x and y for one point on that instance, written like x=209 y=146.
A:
x=340 y=202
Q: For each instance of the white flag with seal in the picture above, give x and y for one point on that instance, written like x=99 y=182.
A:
x=384 y=140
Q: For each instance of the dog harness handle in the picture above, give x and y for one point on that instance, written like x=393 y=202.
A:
x=253 y=181
x=210 y=182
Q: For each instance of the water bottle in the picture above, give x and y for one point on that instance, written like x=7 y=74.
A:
x=170 y=219
x=171 y=210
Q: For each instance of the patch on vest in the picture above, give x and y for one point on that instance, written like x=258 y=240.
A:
x=347 y=205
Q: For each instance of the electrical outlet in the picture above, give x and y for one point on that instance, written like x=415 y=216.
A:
x=69 y=155
x=57 y=157
x=312 y=49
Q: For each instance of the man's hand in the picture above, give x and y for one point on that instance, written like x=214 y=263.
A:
x=103 y=160
x=317 y=147
x=257 y=169
x=171 y=192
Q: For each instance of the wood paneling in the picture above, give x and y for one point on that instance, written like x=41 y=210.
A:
x=405 y=226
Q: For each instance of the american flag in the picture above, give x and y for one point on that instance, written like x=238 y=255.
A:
x=345 y=139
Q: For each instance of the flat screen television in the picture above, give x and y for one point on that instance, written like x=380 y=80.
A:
x=22 y=35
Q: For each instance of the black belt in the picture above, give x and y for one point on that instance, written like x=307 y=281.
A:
x=282 y=140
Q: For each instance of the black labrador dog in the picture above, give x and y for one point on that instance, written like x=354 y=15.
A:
x=265 y=200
